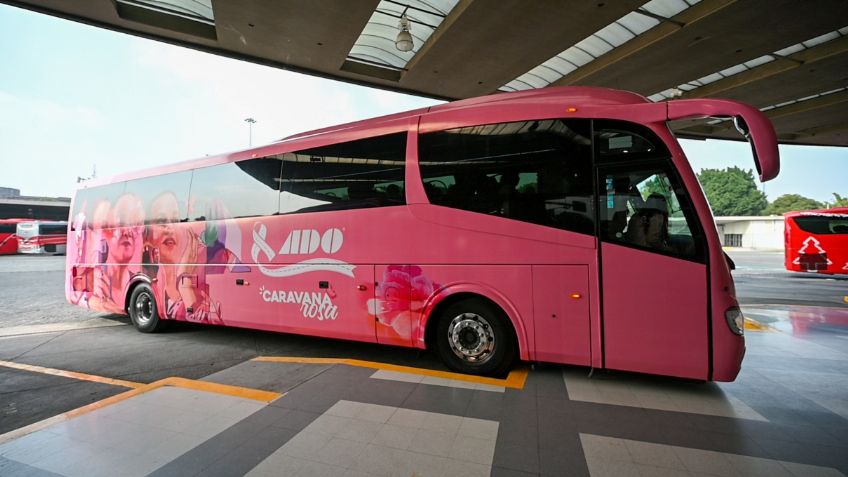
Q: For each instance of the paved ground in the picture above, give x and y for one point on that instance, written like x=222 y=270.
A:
x=32 y=292
x=761 y=279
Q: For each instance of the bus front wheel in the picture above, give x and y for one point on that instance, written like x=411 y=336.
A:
x=475 y=337
x=143 y=310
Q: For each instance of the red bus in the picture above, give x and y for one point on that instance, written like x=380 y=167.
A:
x=8 y=237
x=816 y=241
x=42 y=236
x=561 y=225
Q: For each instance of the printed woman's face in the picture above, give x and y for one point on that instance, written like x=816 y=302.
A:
x=165 y=212
x=126 y=223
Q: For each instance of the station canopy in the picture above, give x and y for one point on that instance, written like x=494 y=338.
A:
x=786 y=57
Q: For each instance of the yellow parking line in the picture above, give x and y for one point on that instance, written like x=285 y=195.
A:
x=237 y=391
x=70 y=374
x=37 y=426
x=516 y=378
x=754 y=325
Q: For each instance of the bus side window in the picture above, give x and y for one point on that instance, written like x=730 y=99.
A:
x=357 y=174
x=149 y=189
x=248 y=188
x=530 y=171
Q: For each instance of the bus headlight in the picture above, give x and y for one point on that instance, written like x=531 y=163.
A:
x=735 y=320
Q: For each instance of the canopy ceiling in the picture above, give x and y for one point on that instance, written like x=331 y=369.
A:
x=786 y=57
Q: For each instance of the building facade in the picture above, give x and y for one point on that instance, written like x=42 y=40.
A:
x=757 y=233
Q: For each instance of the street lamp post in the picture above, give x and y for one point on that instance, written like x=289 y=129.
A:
x=250 y=122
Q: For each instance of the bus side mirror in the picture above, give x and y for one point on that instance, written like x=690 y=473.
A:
x=730 y=263
x=741 y=126
x=749 y=121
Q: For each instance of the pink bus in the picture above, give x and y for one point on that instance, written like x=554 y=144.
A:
x=561 y=225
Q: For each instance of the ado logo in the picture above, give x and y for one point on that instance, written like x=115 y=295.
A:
x=300 y=242
x=303 y=242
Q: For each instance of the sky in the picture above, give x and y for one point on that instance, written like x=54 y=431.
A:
x=75 y=97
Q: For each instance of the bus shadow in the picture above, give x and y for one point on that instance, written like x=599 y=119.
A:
x=818 y=276
x=655 y=392
x=270 y=343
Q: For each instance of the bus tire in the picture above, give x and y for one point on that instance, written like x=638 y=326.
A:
x=475 y=337
x=143 y=310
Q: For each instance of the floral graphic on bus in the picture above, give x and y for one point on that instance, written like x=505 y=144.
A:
x=400 y=296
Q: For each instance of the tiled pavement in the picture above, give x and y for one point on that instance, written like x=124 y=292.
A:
x=784 y=416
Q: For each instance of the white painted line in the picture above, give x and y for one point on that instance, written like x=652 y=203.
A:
x=435 y=381
x=58 y=327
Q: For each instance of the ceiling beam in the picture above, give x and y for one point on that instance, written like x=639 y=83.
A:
x=694 y=14
x=808 y=105
x=781 y=112
x=822 y=130
x=767 y=70
x=447 y=23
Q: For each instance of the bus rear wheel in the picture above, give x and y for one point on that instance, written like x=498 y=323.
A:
x=475 y=337
x=143 y=310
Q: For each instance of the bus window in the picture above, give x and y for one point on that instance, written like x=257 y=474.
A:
x=822 y=225
x=54 y=229
x=533 y=171
x=641 y=207
x=353 y=175
x=240 y=189
x=152 y=190
x=92 y=205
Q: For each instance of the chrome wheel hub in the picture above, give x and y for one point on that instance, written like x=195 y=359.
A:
x=143 y=309
x=471 y=338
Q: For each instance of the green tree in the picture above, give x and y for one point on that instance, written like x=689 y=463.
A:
x=788 y=202
x=839 y=201
x=732 y=191
x=655 y=185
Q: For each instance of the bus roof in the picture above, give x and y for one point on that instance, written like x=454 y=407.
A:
x=835 y=211
x=575 y=96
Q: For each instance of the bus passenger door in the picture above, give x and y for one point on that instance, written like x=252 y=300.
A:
x=654 y=275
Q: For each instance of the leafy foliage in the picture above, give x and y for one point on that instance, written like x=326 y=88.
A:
x=732 y=191
x=839 y=201
x=655 y=185
x=788 y=202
